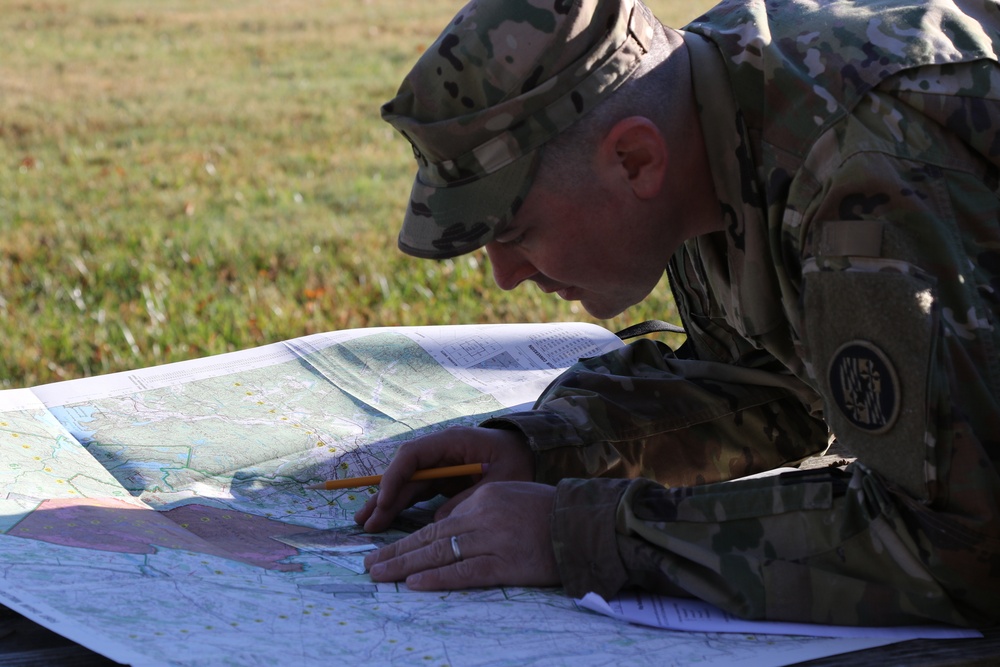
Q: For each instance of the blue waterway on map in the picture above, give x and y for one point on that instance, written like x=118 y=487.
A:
x=73 y=419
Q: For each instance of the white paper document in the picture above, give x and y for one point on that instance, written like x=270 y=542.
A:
x=670 y=613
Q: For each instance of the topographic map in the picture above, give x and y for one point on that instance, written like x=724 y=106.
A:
x=160 y=517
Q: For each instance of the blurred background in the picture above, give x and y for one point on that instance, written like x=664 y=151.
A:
x=184 y=178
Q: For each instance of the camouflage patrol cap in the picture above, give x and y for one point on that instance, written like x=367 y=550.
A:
x=504 y=77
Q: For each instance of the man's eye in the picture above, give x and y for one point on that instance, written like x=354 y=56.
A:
x=517 y=240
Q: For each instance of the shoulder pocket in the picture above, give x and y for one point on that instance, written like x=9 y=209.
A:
x=869 y=339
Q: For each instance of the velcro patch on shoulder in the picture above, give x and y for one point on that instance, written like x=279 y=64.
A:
x=870 y=338
x=864 y=386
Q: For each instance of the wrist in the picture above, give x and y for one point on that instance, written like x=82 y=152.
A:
x=516 y=448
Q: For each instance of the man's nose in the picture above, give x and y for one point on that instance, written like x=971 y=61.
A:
x=510 y=269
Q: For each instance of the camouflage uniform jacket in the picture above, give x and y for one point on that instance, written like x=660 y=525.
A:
x=856 y=156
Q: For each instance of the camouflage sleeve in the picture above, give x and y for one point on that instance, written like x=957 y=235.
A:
x=644 y=412
x=822 y=546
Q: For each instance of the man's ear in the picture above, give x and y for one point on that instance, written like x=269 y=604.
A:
x=635 y=151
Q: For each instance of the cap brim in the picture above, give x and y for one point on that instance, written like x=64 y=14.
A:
x=443 y=222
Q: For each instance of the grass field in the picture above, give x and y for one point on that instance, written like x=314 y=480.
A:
x=183 y=178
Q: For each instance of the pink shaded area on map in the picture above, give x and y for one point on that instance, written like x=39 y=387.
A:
x=246 y=537
x=109 y=524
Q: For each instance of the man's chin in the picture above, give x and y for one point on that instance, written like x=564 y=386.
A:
x=602 y=311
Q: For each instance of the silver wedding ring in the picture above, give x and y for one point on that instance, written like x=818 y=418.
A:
x=454 y=548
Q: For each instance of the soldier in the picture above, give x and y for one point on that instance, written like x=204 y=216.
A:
x=821 y=181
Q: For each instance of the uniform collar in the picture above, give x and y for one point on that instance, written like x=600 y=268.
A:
x=735 y=177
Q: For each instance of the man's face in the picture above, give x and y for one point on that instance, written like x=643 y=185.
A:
x=584 y=245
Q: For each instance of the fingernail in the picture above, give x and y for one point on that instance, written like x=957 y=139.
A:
x=377 y=570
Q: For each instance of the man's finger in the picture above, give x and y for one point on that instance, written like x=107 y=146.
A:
x=363 y=514
x=412 y=542
x=418 y=556
x=387 y=507
x=467 y=573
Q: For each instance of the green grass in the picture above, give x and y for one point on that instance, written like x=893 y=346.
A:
x=179 y=179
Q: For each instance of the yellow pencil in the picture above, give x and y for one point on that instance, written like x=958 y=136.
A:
x=372 y=480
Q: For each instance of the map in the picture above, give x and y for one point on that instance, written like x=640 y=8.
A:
x=291 y=425
x=161 y=517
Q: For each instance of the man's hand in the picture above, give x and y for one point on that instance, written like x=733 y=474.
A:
x=501 y=534
x=505 y=454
